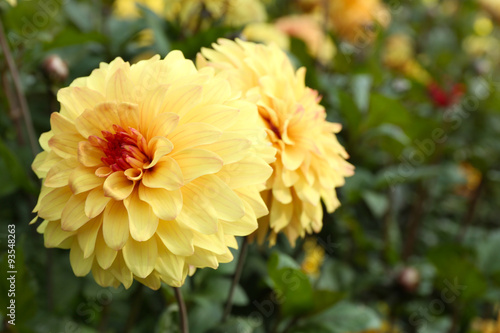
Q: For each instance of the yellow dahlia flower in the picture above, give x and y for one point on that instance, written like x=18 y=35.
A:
x=310 y=161
x=150 y=170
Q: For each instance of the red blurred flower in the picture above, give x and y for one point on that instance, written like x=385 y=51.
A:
x=445 y=98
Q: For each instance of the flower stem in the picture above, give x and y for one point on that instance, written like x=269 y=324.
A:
x=23 y=104
x=236 y=279
x=182 y=311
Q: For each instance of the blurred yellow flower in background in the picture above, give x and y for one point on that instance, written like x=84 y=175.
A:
x=129 y=9
x=472 y=177
x=314 y=257
x=399 y=55
x=197 y=15
x=266 y=33
x=310 y=162
x=491 y=6
x=13 y=3
x=150 y=170
x=480 y=325
x=308 y=29
x=352 y=20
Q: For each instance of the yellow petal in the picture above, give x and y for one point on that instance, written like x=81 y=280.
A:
x=60 y=123
x=39 y=164
x=53 y=203
x=171 y=266
x=158 y=147
x=220 y=116
x=115 y=225
x=149 y=108
x=197 y=213
x=75 y=100
x=128 y=114
x=117 y=186
x=141 y=256
x=103 y=277
x=87 y=236
x=119 y=87
x=163 y=124
x=142 y=220
x=181 y=99
x=281 y=192
x=166 y=204
x=254 y=199
x=214 y=243
x=165 y=174
x=65 y=145
x=44 y=140
x=247 y=172
x=292 y=157
x=231 y=147
x=194 y=134
x=54 y=235
x=197 y=162
x=104 y=254
x=94 y=121
x=89 y=155
x=96 y=202
x=83 y=179
x=73 y=215
x=120 y=271
x=59 y=174
x=152 y=281
x=227 y=204
x=280 y=215
x=202 y=258
x=41 y=228
x=178 y=239
x=80 y=266
x=244 y=226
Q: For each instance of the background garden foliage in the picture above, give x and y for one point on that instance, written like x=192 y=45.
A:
x=414 y=246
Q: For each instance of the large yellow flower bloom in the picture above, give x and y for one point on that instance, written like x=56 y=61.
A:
x=150 y=171
x=310 y=161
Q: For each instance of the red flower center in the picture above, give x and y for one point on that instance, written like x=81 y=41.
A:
x=123 y=149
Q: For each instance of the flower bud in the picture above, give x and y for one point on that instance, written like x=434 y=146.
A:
x=409 y=279
x=55 y=68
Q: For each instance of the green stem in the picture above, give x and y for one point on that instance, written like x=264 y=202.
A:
x=23 y=104
x=236 y=279
x=182 y=311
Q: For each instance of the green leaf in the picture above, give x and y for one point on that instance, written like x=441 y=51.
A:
x=14 y=173
x=341 y=318
x=293 y=289
x=458 y=276
x=360 y=86
x=377 y=202
x=81 y=14
x=280 y=260
x=218 y=289
x=155 y=23
x=69 y=36
x=488 y=251
x=324 y=299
